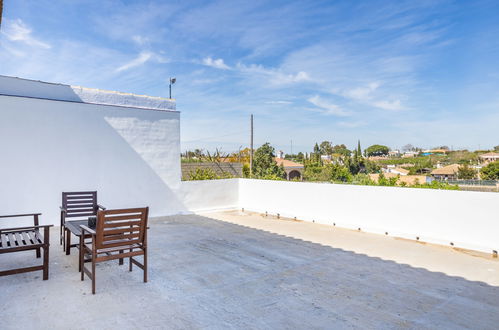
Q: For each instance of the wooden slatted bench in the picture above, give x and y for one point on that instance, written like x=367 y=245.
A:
x=26 y=238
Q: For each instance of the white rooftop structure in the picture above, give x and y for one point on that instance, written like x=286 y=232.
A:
x=13 y=86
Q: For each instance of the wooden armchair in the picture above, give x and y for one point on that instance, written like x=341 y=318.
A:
x=77 y=206
x=118 y=234
x=26 y=238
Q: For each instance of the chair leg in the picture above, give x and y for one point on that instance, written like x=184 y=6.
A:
x=46 y=262
x=68 y=242
x=63 y=238
x=80 y=255
x=130 y=262
x=46 y=246
x=121 y=259
x=145 y=265
x=93 y=274
x=38 y=254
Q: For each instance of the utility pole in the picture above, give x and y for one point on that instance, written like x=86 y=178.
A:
x=251 y=147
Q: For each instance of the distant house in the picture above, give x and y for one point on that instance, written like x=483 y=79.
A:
x=407 y=179
x=489 y=157
x=409 y=154
x=397 y=170
x=294 y=171
x=376 y=158
x=448 y=172
x=394 y=153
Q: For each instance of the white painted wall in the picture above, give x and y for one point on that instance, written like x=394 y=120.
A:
x=468 y=219
x=208 y=195
x=129 y=155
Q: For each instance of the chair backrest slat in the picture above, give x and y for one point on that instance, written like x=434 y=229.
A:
x=121 y=227
x=80 y=203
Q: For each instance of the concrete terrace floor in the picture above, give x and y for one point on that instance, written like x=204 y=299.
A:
x=210 y=274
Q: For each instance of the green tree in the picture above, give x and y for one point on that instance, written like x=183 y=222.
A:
x=496 y=148
x=466 y=172
x=377 y=150
x=264 y=165
x=203 y=174
x=317 y=149
x=384 y=181
x=490 y=172
x=359 y=149
x=315 y=156
x=342 y=150
x=339 y=173
x=246 y=170
x=326 y=148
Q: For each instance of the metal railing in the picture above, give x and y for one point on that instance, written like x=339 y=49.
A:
x=473 y=182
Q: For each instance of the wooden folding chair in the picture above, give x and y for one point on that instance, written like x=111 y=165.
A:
x=118 y=234
x=78 y=206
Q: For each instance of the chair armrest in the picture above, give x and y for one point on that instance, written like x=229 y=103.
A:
x=101 y=207
x=19 y=215
x=86 y=229
x=24 y=228
x=63 y=209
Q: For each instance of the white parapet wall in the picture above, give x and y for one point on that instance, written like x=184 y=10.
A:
x=56 y=138
x=209 y=195
x=468 y=220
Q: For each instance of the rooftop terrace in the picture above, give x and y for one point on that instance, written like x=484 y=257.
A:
x=242 y=270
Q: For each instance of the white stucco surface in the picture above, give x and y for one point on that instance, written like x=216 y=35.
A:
x=129 y=155
x=14 y=86
x=467 y=219
x=209 y=195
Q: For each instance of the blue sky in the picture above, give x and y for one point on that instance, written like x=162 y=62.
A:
x=387 y=72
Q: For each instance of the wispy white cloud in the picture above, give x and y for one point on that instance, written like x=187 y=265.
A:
x=141 y=59
x=278 y=102
x=367 y=95
x=360 y=93
x=215 y=63
x=395 y=105
x=17 y=30
x=352 y=124
x=326 y=107
x=274 y=76
x=140 y=40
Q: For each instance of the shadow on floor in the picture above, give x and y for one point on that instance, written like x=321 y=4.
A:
x=206 y=273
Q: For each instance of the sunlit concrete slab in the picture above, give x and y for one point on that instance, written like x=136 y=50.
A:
x=207 y=273
x=471 y=265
